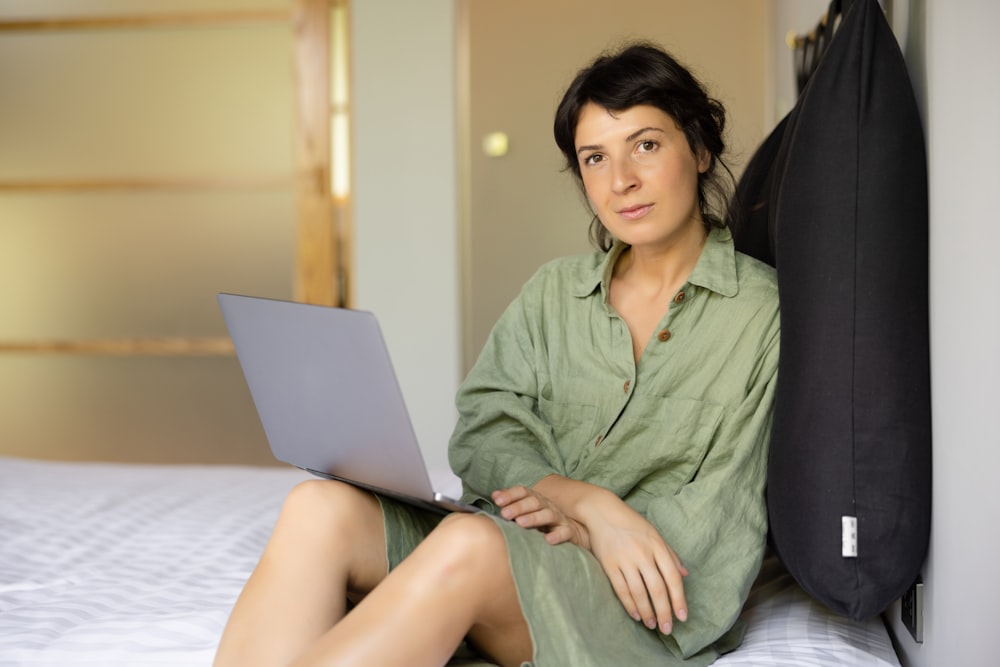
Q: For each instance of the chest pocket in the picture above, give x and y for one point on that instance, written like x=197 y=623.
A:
x=665 y=440
x=572 y=423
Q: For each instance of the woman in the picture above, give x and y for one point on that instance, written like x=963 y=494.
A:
x=613 y=430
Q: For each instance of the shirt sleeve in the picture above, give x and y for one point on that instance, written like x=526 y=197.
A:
x=717 y=523
x=499 y=440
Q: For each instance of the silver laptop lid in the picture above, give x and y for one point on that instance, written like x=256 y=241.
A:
x=326 y=393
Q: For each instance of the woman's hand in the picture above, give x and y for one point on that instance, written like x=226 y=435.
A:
x=530 y=509
x=646 y=574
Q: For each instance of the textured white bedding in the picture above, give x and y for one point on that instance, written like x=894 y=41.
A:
x=117 y=564
x=105 y=564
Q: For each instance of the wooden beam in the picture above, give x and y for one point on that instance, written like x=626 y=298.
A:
x=276 y=181
x=316 y=250
x=123 y=347
x=178 y=19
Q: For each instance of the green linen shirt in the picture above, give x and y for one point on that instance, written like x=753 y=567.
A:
x=681 y=435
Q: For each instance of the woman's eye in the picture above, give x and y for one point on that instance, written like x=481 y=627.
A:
x=647 y=145
x=593 y=158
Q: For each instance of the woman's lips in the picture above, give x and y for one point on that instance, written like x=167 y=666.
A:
x=635 y=212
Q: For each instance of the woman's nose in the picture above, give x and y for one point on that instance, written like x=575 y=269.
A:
x=624 y=177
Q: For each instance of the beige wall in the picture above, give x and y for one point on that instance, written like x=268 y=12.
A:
x=217 y=101
x=521 y=209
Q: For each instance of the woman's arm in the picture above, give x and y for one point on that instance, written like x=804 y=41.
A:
x=716 y=521
x=644 y=571
x=500 y=439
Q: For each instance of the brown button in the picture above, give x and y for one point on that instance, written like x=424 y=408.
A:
x=679 y=297
x=664 y=335
x=627 y=385
x=599 y=438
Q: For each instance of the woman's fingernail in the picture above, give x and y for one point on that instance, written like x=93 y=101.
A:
x=635 y=616
x=651 y=623
x=682 y=614
x=666 y=628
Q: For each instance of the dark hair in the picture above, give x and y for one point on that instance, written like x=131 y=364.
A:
x=642 y=73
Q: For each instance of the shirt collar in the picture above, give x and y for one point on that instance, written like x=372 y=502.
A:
x=715 y=270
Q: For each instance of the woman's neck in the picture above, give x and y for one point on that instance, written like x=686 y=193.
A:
x=664 y=267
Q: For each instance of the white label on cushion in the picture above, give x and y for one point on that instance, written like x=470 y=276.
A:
x=849 y=538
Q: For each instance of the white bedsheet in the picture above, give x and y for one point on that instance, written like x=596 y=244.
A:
x=126 y=565
x=135 y=565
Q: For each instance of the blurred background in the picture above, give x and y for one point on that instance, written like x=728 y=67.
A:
x=152 y=154
x=156 y=152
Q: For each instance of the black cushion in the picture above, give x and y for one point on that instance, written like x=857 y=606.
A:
x=843 y=186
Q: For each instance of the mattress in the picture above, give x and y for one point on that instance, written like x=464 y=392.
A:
x=124 y=564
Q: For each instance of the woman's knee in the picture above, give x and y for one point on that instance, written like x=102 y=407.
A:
x=332 y=510
x=471 y=538
x=335 y=523
x=477 y=546
x=321 y=499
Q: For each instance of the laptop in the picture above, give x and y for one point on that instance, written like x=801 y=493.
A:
x=327 y=396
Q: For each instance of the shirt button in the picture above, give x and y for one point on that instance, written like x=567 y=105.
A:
x=628 y=383
x=598 y=441
x=679 y=297
x=664 y=335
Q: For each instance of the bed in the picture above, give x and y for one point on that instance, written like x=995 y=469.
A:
x=127 y=564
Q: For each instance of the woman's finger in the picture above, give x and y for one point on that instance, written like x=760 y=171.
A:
x=640 y=597
x=542 y=517
x=559 y=534
x=504 y=497
x=673 y=578
x=676 y=560
x=623 y=592
x=515 y=507
x=659 y=597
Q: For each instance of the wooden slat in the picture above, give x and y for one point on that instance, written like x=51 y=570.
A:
x=316 y=251
x=179 y=19
x=124 y=346
x=276 y=181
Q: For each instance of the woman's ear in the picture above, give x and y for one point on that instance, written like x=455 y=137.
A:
x=704 y=160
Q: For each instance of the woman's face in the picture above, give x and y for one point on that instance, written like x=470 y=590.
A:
x=639 y=174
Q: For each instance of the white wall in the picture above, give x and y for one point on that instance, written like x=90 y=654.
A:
x=406 y=200
x=957 y=69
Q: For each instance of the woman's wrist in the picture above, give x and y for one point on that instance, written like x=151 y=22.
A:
x=577 y=500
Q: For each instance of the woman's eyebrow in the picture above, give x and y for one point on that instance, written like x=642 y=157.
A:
x=635 y=135
x=629 y=139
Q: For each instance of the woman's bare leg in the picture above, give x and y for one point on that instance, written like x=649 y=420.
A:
x=457 y=582
x=328 y=542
